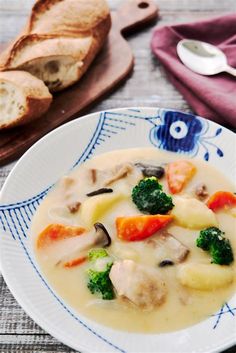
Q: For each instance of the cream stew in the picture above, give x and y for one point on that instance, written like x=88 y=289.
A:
x=159 y=280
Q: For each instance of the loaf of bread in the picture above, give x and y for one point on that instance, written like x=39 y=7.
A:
x=60 y=41
x=23 y=98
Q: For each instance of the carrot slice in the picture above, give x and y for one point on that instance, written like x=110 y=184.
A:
x=135 y=228
x=221 y=199
x=75 y=262
x=56 y=232
x=178 y=174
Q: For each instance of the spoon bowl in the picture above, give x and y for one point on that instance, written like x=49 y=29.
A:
x=203 y=58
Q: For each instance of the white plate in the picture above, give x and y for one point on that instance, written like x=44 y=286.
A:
x=51 y=158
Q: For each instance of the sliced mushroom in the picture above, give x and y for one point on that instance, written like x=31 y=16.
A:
x=168 y=247
x=149 y=170
x=165 y=263
x=102 y=235
x=99 y=192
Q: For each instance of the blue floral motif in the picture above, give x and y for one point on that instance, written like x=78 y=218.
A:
x=183 y=133
x=179 y=132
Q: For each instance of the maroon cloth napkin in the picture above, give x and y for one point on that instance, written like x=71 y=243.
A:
x=213 y=97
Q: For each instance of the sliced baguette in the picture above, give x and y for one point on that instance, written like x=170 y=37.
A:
x=61 y=40
x=23 y=98
x=69 y=16
x=57 y=60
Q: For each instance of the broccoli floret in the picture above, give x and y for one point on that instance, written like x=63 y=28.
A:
x=149 y=197
x=98 y=273
x=211 y=239
x=97 y=253
x=207 y=237
x=99 y=282
x=222 y=253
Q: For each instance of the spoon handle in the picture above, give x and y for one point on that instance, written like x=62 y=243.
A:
x=230 y=70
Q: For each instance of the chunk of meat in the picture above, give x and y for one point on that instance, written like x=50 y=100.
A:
x=67 y=182
x=74 y=207
x=68 y=191
x=168 y=247
x=139 y=284
x=108 y=176
x=201 y=191
x=93 y=173
x=118 y=173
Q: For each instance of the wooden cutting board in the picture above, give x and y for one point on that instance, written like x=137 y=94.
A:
x=112 y=65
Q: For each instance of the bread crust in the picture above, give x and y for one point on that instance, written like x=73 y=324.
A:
x=47 y=46
x=92 y=29
x=82 y=15
x=36 y=93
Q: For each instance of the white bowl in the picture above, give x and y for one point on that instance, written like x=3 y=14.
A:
x=52 y=157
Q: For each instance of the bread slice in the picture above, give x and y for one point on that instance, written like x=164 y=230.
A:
x=57 y=60
x=23 y=98
x=61 y=40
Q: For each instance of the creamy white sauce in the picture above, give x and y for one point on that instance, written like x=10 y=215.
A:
x=183 y=306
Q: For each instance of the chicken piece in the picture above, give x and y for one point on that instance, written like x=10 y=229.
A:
x=139 y=284
x=168 y=247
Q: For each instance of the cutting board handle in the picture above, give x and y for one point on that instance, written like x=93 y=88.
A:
x=134 y=14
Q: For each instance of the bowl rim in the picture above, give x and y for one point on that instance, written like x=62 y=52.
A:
x=27 y=153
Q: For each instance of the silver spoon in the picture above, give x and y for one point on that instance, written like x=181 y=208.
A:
x=203 y=58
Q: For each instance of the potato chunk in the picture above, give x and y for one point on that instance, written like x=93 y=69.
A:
x=94 y=208
x=192 y=213
x=204 y=276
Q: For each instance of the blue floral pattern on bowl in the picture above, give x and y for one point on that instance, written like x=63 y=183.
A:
x=178 y=133
x=183 y=133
